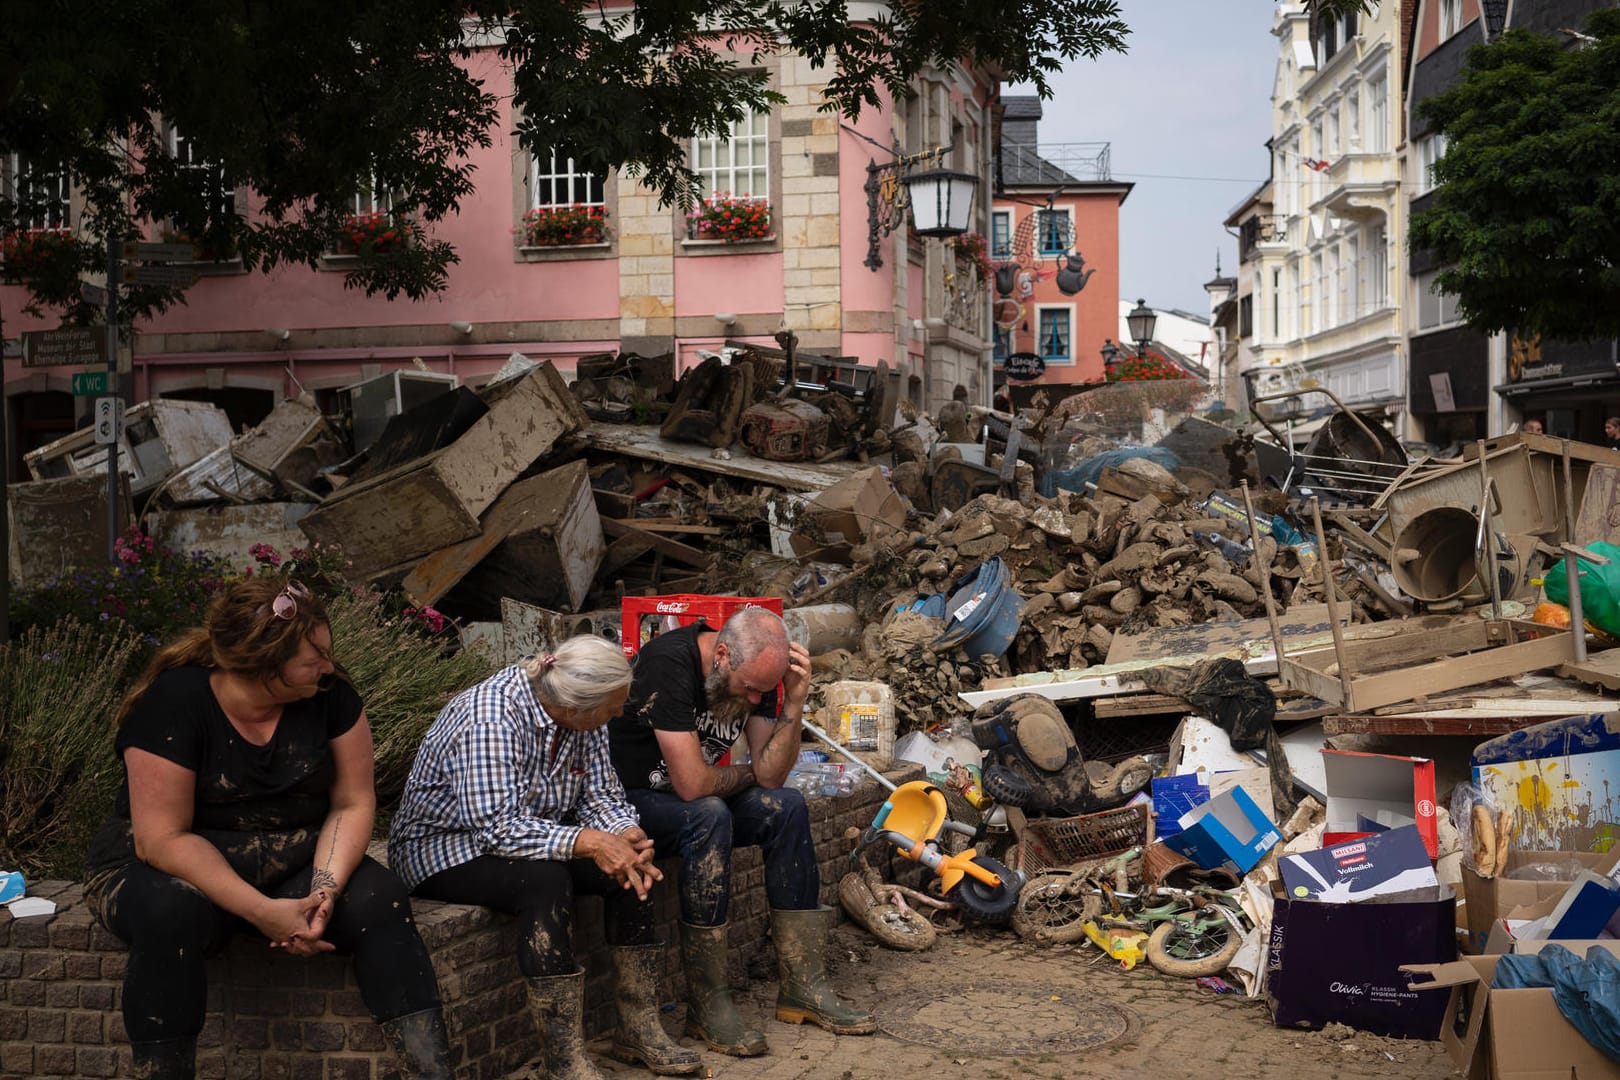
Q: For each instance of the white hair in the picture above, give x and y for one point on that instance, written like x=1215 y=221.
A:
x=584 y=672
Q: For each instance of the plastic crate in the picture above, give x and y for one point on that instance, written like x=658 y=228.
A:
x=1048 y=843
x=641 y=616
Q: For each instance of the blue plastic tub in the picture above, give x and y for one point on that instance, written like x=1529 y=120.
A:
x=982 y=613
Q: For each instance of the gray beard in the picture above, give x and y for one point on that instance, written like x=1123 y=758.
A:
x=725 y=709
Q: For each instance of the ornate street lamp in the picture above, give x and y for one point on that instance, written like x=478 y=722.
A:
x=1142 y=320
x=941 y=201
x=1111 y=353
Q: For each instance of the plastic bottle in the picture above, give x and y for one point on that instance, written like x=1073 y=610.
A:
x=1234 y=551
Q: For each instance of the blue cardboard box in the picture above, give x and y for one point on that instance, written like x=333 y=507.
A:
x=1173 y=796
x=1228 y=831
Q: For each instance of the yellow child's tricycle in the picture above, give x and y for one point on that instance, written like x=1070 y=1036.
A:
x=912 y=819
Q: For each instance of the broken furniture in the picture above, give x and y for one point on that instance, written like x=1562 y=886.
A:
x=58 y=526
x=161 y=435
x=368 y=405
x=385 y=523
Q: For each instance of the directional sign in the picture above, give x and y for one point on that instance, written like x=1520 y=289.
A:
x=145 y=252
x=109 y=417
x=93 y=295
x=80 y=345
x=91 y=383
x=173 y=276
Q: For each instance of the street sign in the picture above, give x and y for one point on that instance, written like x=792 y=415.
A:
x=109 y=420
x=1024 y=366
x=93 y=295
x=145 y=252
x=78 y=345
x=91 y=383
x=174 y=276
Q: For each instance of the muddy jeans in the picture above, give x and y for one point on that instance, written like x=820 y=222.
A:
x=540 y=892
x=171 y=928
x=704 y=831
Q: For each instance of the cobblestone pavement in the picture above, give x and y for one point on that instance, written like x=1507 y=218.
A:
x=986 y=1006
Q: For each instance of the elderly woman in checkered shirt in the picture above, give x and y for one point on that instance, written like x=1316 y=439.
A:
x=513 y=804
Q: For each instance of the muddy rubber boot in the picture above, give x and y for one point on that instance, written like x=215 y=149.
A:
x=421 y=1044
x=557 y=1003
x=806 y=992
x=164 y=1059
x=640 y=1038
x=711 y=1014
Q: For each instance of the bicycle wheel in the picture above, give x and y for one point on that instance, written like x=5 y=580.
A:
x=1052 y=911
x=985 y=903
x=1189 y=951
x=900 y=928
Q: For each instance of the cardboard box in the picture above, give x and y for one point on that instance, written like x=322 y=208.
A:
x=1341 y=963
x=1173 y=796
x=1227 y=831
x=1376 y=865
x=1509 y=1034
x=844 y=514
x=1573 y=768
x=1489 y=900
x=1372 y=787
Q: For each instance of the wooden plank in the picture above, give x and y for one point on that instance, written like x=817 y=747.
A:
x=1599 y=517
x=621 y=553
x=1215 y=638
x=1601 y=669
x=1475 y=727
x=644 y=442
x=438 y=499
x=1138 y=705
x=667 y=526
x=684 y=554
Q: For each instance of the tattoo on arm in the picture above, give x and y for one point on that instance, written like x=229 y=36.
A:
x=323 y=877
x=732 y=779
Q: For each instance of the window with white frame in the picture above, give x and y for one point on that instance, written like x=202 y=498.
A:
x=1450 y=18
x=1276 y=303
x=1349 y=283
x=1054 y=338
x=555 y=180
x=1434 y=309
x=1332 y=148
x=42 y=194
x=1378 y=112
x=373 y=198
x=1376 y=291
x=209 y=176
x=1001 y=234
x=1428 y=150
x=1054 y=230
x=738 y=161
x=1319 y=149
x=1352 y=121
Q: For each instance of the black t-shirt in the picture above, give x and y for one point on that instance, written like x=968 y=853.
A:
x=262 y=806
x=667 y=694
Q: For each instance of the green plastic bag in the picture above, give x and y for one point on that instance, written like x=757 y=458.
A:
x=1600 y=588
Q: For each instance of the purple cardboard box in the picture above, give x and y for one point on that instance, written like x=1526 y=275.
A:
x=1341 y=962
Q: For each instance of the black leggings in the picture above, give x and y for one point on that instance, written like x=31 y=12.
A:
x=171 y=928
x=540 y=892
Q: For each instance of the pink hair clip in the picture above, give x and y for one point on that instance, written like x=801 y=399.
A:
x=550 y=660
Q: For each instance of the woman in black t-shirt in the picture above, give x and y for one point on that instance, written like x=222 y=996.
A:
x=247 y=805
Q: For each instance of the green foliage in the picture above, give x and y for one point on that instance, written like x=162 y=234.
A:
x=305 y=101
x=59 y=689
x=153 y=590
x=405 y=676
x=1527 y=218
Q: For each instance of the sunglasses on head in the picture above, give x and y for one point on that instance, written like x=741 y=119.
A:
x=285 y=605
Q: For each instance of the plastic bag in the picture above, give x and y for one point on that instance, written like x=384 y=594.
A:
x=1600 y=588
x=1568 y=870
x=1483 y=828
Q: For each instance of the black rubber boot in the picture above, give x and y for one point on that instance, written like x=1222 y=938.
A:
x=165 y=1059
x=711 y=1014
x=557 y=1003
x=421 y=1044
x=806 y=992
x=640 y=1037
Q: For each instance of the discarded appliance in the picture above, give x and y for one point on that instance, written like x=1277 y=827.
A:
x=58 y=526
x=228 y=531
x=784 y=430
x=368 y=405
x=161 y=436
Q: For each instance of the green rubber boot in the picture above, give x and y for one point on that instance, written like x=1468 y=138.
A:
x=711 y=1014
x=806 y=992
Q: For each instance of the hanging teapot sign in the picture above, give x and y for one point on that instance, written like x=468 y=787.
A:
x=1024 y=366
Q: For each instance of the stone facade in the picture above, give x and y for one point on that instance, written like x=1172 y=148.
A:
x=276 y=1017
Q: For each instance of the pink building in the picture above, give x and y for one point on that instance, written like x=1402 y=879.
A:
x=824 y=267
x=1055 y=220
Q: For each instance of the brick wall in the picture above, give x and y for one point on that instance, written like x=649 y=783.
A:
x=278 y=1017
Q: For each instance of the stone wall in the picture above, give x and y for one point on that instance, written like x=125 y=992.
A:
x=272 y=1016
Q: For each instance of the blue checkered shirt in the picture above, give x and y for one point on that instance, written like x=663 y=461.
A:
x=497 y=776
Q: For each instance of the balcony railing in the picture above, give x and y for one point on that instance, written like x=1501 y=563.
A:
x=1261 y=229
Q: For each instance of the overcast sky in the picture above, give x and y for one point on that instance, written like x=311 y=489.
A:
x=1191 y=99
